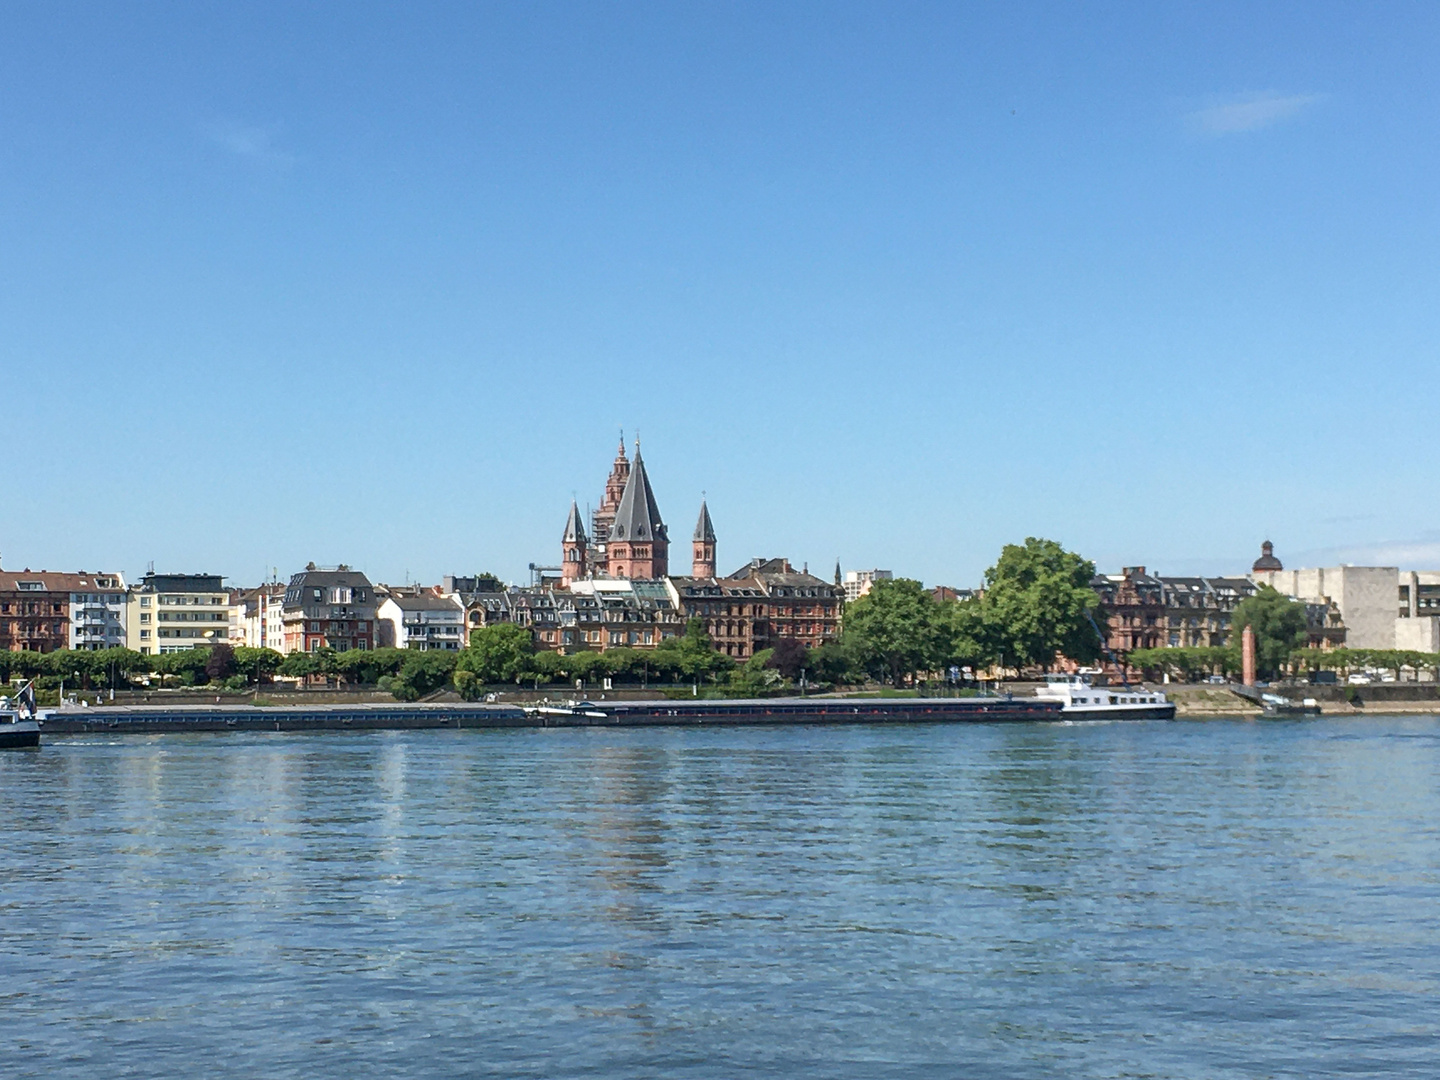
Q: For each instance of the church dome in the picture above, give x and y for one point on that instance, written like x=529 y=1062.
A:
x=1267 y=559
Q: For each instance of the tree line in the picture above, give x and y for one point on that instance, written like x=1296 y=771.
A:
x=1037 y=603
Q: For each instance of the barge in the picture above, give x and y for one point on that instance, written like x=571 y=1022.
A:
x=152 y=719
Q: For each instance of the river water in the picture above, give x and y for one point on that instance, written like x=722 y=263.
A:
x=1203 y=899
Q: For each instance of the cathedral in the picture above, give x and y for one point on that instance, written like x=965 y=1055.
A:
x=628 y=539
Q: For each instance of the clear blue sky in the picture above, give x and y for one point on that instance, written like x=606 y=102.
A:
x=896 y=283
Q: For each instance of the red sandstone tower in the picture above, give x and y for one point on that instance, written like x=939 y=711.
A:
x=638 y=546
x=603 y=518
x=702 y=559
x=575 y=564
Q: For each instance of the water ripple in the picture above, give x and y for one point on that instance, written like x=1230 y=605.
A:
x=1149 y=900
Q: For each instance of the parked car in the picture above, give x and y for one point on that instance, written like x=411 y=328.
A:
x=1323 y=678
x=1216 y=678
x=1359 y=680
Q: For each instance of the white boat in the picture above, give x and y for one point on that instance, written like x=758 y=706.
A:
x=19 y=722
x=1080 y=699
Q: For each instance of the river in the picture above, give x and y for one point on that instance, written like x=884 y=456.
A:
x=1195 y=899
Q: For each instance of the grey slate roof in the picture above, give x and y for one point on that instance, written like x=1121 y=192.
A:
x=704 y=530
x=574 y=528
x=638 y=518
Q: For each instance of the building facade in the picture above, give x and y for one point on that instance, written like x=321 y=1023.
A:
x=1381 y=607
x=329 y=608
x=420 y=619
x=45 y=610
x=258 y=617
x=860 y=582
x=167 y=613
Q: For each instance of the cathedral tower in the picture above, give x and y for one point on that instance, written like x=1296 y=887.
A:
x=702 y=559
x=575 y=564
x=604 y=516
x=637 y=547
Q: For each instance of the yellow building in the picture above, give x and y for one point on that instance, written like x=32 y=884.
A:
x=174 y=612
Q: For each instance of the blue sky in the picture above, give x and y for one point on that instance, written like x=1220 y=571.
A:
x=895 y=283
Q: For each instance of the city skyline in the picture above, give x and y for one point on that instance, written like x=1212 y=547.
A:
x=897 y=286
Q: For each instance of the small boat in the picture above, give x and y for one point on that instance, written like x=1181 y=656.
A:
x=19 y=722
x=1080 y=699
x=1283 y=708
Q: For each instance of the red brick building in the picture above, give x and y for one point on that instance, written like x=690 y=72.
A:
x=35 y=610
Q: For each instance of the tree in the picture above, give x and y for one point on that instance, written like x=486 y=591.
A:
x=1038 y=603
x=756 y=676
x=692 y=654
x=220 y=664
x=257 y=664
x=422 y=672
x=789 y=657
x=499 y=653
x=299 y=665
x=1279 y=625
x=897 y=629
x=969 y=640
x=835 y=662
x=187 y=666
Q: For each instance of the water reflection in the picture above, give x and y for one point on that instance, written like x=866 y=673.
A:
x=1174 y=900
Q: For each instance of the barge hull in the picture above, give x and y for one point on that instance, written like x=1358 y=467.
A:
x=152 y=719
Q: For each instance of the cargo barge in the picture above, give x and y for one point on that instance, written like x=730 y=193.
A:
x=151 y=719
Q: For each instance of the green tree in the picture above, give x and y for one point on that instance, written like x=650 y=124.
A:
x=186 y=667
x=499 y=653
x=1279 y=625
x=299 y=665
x=835 y=662
x=691 y=655
x=897 y=629
x=257 y=664
x=969 y=640
x=756 y=676
x=1038 y=603
x=422 y=672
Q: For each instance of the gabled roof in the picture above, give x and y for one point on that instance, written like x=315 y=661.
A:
x=425 y=602
x=638 y=518
x=574 y=528
x=704 y=530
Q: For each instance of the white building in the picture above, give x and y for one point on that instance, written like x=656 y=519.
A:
x=860 y=582
x=420 y=620
x=257 y=617
x=1383 y=607
x=97 y=611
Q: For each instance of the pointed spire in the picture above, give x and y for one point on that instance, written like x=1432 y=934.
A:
x=637 y=518
x=574 y=526
x=704 y=529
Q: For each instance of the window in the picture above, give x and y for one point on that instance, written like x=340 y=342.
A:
x=144 y=635
x=144 y=616
x=144 y=601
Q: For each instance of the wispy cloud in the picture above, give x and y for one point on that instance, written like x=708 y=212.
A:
x=1420 y=553
x=248 y=141
x=1251 y=112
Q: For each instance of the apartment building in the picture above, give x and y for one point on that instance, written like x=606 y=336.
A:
x=46 y=610
x=167 y=613
x=420 y=619
x=328 y=608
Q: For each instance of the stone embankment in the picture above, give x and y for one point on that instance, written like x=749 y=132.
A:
x=1377 y=699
